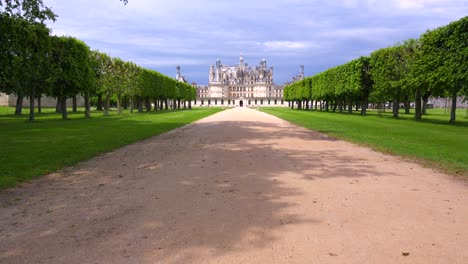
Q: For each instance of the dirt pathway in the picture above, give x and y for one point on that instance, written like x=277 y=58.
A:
x=238 y=187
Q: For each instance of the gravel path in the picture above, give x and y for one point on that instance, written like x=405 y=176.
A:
x=240 y=186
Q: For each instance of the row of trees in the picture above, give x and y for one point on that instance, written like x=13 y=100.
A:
x=33 y=63
x=436 y=64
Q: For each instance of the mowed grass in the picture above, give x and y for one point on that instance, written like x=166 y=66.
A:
x=28 y=150
x=432 y=141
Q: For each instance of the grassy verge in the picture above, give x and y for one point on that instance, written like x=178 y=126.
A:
x=432 y=141
x=29 y=149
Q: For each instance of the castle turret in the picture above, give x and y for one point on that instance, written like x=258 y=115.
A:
x=178 y=72
x=211 y=76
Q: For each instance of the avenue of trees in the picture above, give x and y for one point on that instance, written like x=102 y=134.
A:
x=34 y=63
x=436 y=64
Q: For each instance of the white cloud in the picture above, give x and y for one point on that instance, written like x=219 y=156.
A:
x=164 y=33
x=287 y=45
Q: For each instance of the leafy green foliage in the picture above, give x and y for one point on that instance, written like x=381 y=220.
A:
x=24 y=56
x=346 y=82
x=34 y=63
x=31 y=10
x=436 y=64
x=445 y=52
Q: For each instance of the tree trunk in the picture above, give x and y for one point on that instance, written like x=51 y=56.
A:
x=74 y=104
x=417 y=106
x=87 y=105
x=39 y=106
x=161 y=104
x=327 y=107
x=453 y=110
x=19 y=104
x=32 y=98
x=299 y=105
x=340 y=106
x=148 y=105
x=58 y=105
x=425 y=99
x=131 y=104
x=396 y=107
x=140 y=105
x=99 y=102
x=190 y=104
x=125 y=102
x=166 y=104
x=155 y=102
x=178 y=104
x=63 y=106
x=119 y=104
x=316 y=105
x=407 y=108
x=350 y=107
x=364 y=105
x=107 y=104
x=357 y=105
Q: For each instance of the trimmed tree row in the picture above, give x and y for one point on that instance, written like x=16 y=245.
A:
x=33 y=63
x=436 y=64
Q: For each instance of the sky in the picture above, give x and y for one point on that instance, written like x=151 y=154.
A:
x=161 y=34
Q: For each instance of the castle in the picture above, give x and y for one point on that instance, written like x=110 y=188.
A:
x=241 y=84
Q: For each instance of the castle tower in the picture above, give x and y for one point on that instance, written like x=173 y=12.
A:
x=178 y=72
x=211 y=74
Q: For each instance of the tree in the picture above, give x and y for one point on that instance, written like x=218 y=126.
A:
x=31 y=10
x=445 y=52
x=24 y=62
x=35 y=61
x=72 y=69
x=388 y=72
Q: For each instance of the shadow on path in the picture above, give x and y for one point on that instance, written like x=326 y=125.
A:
x=208 y=189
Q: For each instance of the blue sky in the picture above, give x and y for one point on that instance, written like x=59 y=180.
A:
x=161 y=34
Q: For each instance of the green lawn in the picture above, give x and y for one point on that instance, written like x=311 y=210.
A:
x=432 y=141
x=29 y=149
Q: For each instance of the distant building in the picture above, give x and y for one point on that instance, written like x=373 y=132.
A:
x=240 y=85
x=179 y=77
x=298 y=77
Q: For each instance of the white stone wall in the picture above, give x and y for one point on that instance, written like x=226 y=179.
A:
x=45 y=101
x=4 y=99
x=247 y=102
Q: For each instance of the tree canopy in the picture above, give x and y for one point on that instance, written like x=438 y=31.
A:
x=435 y=64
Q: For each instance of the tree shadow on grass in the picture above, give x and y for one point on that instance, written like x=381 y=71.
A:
x=207 y=189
